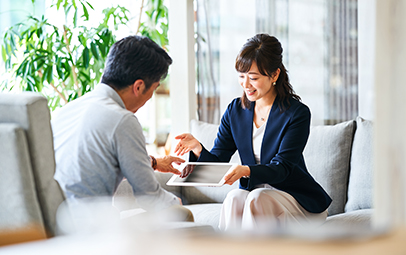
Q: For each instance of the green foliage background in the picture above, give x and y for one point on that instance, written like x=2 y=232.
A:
x=64 y=63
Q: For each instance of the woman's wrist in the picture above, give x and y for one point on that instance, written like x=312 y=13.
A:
x=197 y=151
x=247 y=172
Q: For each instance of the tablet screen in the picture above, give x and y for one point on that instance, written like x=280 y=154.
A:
x=201 y=174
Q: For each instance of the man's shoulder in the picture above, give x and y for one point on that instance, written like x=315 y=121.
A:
x=92 y=114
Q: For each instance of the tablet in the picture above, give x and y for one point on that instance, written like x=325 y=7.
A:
x=201 y=174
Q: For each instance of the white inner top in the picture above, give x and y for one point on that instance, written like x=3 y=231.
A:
x=257 y=136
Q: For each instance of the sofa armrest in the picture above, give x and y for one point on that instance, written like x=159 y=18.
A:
x=18 y=196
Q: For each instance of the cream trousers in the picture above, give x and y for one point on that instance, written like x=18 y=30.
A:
x=263 y=209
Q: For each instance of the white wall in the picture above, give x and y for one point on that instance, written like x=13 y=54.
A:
x=182 y=74
x=366 y=57
x=390 y=125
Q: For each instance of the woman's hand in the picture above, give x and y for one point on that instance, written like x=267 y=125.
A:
x=164 y=164
x=187 y=170
x=187 y=143
x=236 y=173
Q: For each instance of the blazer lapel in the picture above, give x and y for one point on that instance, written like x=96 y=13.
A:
x=246 y=150
x=270 y=134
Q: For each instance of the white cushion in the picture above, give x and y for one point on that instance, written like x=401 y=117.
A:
x=327 y=155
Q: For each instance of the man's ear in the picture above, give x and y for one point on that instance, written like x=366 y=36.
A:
x=138 y=87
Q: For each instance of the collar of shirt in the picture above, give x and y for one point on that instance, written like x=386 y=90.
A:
x=109 y=92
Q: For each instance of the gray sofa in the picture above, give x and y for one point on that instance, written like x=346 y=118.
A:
x=339 y=157
x=29 y=196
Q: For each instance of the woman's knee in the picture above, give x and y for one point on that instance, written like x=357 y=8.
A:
x=237 y=194
x=264 y=198
x=259 y=194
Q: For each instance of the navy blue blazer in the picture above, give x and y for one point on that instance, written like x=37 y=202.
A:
x=282 y=163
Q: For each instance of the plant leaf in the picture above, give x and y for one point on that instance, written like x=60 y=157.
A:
x=86 y=57
x=89 y=5
x=85 y=12
x=3 y=53
x=58 y=4
x=48 y=73
x=94 y=50
x=75 y=18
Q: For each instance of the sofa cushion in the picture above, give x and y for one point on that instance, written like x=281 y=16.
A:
x=206 y=214
x=163 y=178
x=360 y=180
x=327 y=155
x=198 y=195
x=359 y=219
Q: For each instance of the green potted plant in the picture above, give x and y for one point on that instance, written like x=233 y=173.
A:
x=62 y=63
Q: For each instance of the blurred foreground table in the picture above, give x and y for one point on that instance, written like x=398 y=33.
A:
x=198 y=240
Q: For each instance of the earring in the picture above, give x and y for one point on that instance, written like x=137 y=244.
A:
x=274 y=83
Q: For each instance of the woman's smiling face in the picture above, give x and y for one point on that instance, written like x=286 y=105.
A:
x=255 y=85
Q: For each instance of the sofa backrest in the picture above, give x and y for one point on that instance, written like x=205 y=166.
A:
x=327 y=155
x=29 y=111
x=339 y=157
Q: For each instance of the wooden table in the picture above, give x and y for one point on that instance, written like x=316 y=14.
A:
x=127 y=241
x=392 y=242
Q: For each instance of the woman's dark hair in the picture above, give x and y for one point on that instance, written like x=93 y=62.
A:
x=266 y=52
x=133 y=58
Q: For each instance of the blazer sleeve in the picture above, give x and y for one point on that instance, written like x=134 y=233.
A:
x=224 y=145
x=292 y=141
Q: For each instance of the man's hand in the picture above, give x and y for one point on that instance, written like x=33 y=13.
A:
x=236 y=173
x=164 y=164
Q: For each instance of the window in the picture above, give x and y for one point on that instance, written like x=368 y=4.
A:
x=319 y=38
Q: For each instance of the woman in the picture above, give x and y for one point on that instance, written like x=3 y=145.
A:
x=269 y=127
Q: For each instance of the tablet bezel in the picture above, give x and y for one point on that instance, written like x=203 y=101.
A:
x=172 y=182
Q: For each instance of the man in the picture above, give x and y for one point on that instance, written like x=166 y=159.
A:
x=97 y=138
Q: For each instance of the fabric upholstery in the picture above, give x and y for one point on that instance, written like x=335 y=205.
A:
x=196 y=195
x=30 y=111
x=359 y=218
x=208 y=214
x=327 y=155
x=360 y=188
x=163 y=178
x=18 y=197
